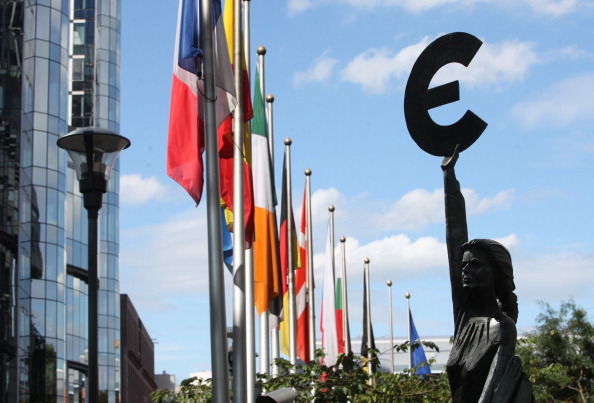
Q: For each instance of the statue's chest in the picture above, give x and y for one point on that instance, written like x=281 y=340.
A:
x=476 y=343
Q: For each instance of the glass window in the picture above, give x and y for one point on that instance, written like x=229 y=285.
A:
x=43 y=22
x=78 y=66
x=77 y=105
x=54 y=88
x=78 y=33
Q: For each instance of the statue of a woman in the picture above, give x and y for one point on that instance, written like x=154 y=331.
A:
x=482 y=366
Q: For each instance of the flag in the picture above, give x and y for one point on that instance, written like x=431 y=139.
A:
x=226 y=143
x=366 y=312
x=185 y=143
x=418 y=354
x=301 y=289
x=266 y=261
x=328 y=316
x=340 y=331
x=284 y=256
x=227 y=242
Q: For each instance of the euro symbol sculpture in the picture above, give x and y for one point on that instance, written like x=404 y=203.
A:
x=457 y=47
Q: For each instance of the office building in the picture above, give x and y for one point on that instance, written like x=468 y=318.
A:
x=59 y=70
x=138 y=356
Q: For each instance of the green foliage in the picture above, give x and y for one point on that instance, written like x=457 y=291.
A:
x=559 y=355
x=192 y=390
x=347 y=380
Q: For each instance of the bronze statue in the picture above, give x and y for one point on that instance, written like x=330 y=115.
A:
x=482 y=366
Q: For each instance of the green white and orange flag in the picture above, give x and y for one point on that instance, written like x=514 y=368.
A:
x=266 y=259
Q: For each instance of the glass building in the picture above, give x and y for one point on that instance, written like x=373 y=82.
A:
x=59 y=70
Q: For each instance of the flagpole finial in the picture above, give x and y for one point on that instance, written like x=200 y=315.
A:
x=307 y=172
x=331 y=208
x=270 y=98
x=407 y=295
x=366 y=260
x=261 y=51
x=288 y=141
x=342 y=239
x=389 y=283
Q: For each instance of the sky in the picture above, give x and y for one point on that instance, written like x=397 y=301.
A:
x=337 y=70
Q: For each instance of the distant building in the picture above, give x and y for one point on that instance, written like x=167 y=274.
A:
x=138 y=356
x=165 y=381
x=401 y=358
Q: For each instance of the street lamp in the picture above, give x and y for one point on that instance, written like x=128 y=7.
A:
x=93 y=151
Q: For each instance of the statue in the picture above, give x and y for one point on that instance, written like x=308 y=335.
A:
x=482 y=366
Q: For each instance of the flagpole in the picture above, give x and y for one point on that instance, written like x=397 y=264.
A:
x=389 y=284
x=410 y=352
x=264 y=353
x=290 y=263
x=274 y=336
x=270 y=101
x=239 y=319
x=345 y=308
x=218 y=327
x=250 y=337
x=310 y=273
x=368 y=323
x=331 y=218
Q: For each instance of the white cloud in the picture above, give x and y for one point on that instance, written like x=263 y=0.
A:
x=299 y=6
x=553 y=8
x=171 y=258
x=419 y=208
x=374 y=69
x=561 y=105
x=134 y=189
x=550 y=8
x=319 y=72
x=555 y=277
x=495 y=65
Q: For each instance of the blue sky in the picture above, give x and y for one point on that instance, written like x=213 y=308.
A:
x=337 y=69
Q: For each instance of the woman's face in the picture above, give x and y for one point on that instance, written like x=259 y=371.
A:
x=476 y=270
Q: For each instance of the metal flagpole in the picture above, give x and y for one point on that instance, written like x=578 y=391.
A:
x=270 y=101
x=410 y=352
x=264 y=317
x=368 y=322
x=345 y=308
x=389 y=284
x=290 y=263
x=274 y=336
x=239 y=339
x=218 y=327
x=250 y=334
x=310 y=273
x=331 y=224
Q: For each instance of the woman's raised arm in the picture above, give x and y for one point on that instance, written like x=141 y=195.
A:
x=456 y=227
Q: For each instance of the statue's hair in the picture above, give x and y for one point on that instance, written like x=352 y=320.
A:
x=500 y=259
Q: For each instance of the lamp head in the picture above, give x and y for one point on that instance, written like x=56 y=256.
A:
x=93 y=150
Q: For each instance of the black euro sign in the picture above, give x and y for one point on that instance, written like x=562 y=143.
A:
x=438 y=140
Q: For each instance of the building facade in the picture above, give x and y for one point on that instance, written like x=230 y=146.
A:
x=59 y=70
x=138 y=356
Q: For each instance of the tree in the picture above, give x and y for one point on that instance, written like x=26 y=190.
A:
x=558 y=356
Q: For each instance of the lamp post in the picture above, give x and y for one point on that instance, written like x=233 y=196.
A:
x=93 y=151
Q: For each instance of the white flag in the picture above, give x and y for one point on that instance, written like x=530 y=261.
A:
x=328 y=319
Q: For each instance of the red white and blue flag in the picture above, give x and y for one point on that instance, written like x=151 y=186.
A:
x=186 y=118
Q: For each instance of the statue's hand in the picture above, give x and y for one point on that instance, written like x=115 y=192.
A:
x=450 y=162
